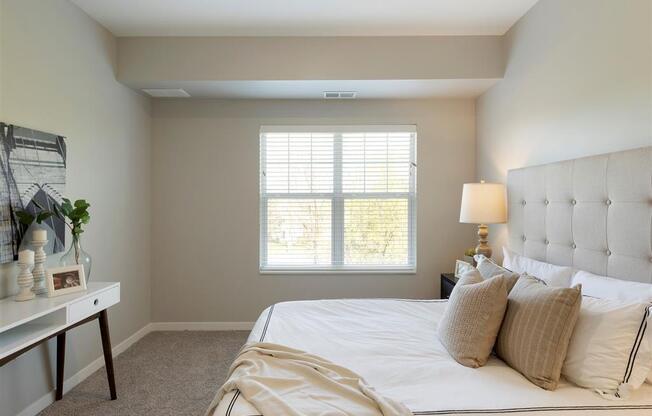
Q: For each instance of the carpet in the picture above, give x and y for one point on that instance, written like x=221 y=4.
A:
x=165 y=373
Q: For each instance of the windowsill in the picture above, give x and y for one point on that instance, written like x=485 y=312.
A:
x=401 y=270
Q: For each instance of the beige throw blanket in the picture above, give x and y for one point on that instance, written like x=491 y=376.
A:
x=278 y=380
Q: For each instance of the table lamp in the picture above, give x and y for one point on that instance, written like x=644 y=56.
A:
x=482 y=204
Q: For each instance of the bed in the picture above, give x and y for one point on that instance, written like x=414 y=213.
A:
x=593 y=214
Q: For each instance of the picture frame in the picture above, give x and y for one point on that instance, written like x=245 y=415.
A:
x=65 y=280
x=462 y=267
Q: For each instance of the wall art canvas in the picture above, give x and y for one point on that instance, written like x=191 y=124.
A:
x=32 y=173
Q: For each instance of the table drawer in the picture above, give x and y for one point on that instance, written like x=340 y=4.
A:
x=93 y=304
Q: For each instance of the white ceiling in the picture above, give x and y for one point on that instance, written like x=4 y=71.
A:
x=366 y=89
x=305 y=17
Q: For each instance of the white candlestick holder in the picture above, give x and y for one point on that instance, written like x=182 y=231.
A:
x=25 y=282
x=39 y=266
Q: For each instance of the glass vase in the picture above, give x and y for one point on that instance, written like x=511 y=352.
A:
x=77 y=255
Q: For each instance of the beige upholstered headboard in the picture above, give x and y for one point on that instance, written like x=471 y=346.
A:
x=593 y=213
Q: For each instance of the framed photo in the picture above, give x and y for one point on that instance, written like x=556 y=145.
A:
x=65 y=280
x=462 y=267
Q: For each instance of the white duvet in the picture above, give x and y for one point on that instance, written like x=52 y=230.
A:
x=394 y=346
x=279 y=380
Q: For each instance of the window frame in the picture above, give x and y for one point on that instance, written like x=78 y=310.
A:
x=337 y=198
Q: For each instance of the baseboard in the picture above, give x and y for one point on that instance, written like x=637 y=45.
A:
x=82 y=374
x=202 y=326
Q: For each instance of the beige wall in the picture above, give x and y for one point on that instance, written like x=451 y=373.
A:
x=205 y=203
x=58 y=75
x=578 y=82
x=144 y=60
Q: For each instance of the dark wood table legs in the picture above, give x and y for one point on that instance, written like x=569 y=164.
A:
x=106 y=348
x=108 y=355
x=61 y=363
x=61 y=352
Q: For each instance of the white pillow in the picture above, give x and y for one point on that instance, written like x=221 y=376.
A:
x=553 y=275
x=610 y=350
x=609 y=288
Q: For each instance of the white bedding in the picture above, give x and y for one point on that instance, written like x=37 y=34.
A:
x=393 y=344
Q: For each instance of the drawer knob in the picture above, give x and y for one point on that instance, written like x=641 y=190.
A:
x=96 y=301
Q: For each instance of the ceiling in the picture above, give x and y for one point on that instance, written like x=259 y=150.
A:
x=305 y=17
x=365 y=89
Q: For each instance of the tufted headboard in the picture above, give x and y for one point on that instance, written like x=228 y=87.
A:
x=593 y=213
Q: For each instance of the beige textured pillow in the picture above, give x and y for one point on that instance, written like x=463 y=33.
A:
x=536 y=330
x=472 y=318
x=488 y=268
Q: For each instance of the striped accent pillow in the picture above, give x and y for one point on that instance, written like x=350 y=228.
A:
x=538 y=324
x=472 y=318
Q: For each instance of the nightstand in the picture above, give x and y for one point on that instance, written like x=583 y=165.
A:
x=448 y=281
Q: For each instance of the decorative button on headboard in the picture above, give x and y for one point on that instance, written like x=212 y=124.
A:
x=593 y=213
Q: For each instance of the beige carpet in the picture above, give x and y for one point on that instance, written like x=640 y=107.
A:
x=165 y=373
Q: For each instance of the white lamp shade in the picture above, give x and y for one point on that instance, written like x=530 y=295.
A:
x=483 y=203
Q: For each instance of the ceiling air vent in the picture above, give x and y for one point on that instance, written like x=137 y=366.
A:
x=339 y=95
x=166 y=92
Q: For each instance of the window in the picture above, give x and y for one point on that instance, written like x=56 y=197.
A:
x=338 y=198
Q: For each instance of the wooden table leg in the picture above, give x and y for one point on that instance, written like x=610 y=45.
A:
x=108 y=355
x=61 y=363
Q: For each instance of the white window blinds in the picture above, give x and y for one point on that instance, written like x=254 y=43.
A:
x=338 y=198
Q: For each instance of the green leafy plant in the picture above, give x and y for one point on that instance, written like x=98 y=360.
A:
x=27 y=218
x=74 y=215
x=470 y=252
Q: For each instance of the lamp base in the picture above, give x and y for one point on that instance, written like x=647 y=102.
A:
x=483 y=241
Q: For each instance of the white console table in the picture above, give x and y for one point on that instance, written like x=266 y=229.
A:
x=24 y=325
